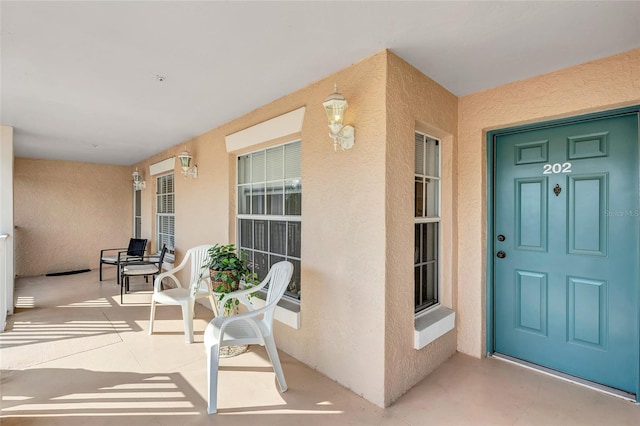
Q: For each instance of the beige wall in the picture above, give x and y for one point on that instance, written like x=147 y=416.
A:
x=357 y=317
x=357 y=301
x=414 y=102
x=343 y=228
x=595 y=86
x=65 y=212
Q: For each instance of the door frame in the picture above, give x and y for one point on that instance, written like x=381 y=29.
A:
x=490 y=241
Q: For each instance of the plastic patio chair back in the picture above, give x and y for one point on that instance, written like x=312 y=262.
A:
x=278 y=277
x=247 y=328
x=185 y=293
x=198 y=256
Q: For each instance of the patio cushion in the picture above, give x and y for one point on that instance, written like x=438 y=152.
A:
x=147 y=269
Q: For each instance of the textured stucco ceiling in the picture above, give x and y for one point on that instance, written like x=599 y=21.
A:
x=79 y=79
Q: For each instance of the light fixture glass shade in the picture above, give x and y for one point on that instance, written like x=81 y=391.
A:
x=185 y=164
x=185 y=160
x=335 y=106
x=138 y=183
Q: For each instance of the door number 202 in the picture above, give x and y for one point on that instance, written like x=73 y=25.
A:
x=549 y=169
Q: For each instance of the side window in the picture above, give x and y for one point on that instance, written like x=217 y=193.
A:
x=137 y=213
x=269 y=207
x=427 y=221
x=165 y=212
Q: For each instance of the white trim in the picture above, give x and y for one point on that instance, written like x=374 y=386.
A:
x=277 y=127
x=433 y=324
x=565 y=377
x=162 y=166
x=281 y=218
x=287 y=312
x=436 y=219
x=7 y=251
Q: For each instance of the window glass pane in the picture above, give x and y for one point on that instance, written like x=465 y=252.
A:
x=293 y=197
x=260 y=265
x=293 y=239
x=273 y=259
x=419 y=154
x=258 y=199
x=248 y=254
x=417 y=274
x=258 y=166
x=292 y=161
x=244 y=169
x=246 y=234
x=432 y=197
x=170 y=203
x=433 y=159
x=275 y=163
x=417 y=243
x=429 y=284
x=166 y=231
x=138 y=228
x=294 y=285
x=162 y=205
x=419 y=200
x=244 y=199
x=275 y=198
x=260 y=241
x=138 y=203
x=429 y=241
x=169 y=179
x=278 y=237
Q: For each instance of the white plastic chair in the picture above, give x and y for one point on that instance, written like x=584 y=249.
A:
x=248 y=328
x=184 y=296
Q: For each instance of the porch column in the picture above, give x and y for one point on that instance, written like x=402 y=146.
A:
x=6 y=224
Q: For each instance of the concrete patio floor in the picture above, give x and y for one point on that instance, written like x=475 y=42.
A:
x=72 y=355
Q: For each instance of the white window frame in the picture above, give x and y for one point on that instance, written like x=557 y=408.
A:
x=264 y=216
x=426 y=218
x=171 y=249
x=434 y=321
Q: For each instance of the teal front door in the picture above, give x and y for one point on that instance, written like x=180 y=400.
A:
x=566 y=258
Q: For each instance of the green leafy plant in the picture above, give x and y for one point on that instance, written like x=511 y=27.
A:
x=228 y=267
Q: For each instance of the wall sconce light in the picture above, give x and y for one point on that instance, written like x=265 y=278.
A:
x=185 y=164
x=335 y=106
x=138 y=182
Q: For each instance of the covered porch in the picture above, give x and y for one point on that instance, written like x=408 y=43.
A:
x=73 y=355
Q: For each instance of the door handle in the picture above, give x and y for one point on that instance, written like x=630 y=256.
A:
x=501 y=254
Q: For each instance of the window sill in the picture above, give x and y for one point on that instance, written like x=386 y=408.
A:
x=431 y=325
x=167 y=265
x=287 y=311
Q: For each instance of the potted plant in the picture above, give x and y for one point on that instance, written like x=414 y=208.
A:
x=228 y=268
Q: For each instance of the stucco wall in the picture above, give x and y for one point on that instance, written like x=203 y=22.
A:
x=65 y=212
x=415 y=102
x=343 y=223
x=357 y=229
x=595 y=86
